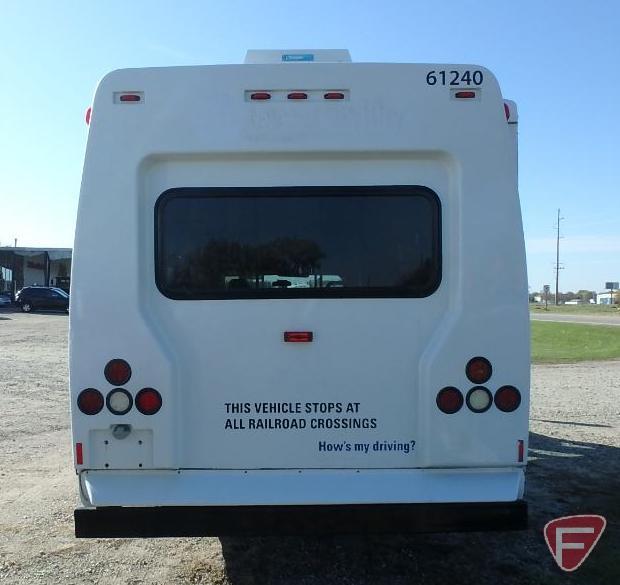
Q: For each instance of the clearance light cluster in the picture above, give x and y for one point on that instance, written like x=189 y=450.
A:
x=119 y=401
x=479 y=398
x=314 y=95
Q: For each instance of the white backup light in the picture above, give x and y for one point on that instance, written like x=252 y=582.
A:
x=479 y=399
x=119 y=401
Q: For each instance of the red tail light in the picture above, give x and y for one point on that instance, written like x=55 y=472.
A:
x=507 y=398
x=90 y=401
x=148 y=401
x=117 y=372
x=449 y=400
x=298 y=336
x=478 y=370
x=520 y=451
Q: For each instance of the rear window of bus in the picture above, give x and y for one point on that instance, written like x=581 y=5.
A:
x=298 y=242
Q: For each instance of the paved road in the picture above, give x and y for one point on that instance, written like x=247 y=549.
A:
x=586 y=319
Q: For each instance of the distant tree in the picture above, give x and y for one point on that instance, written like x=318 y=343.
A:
x=585 y=295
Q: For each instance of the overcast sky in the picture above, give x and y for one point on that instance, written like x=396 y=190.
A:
x=558 y=59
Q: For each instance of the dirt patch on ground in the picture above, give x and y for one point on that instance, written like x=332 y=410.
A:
x=574 y=468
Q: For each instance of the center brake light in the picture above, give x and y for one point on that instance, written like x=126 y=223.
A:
x=298 y=336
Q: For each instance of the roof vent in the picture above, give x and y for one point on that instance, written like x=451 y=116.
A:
x=253 y=57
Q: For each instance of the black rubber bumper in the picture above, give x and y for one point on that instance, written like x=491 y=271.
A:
x=121 y=522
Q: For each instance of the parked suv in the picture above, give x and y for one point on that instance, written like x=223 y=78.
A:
x=31 y=298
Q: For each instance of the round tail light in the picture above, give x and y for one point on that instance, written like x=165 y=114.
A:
x=507 y=398
x=117 y=372
x=90 y=401
x=478 y=370
x=148 y=401
x=479 y=399
x=449 y=400
x=119 y=401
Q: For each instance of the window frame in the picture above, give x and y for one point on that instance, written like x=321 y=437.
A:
x=389 y=292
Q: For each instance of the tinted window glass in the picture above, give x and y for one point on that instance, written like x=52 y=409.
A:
x=298 y=242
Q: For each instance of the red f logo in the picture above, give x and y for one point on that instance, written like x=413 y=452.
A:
x=572 y=538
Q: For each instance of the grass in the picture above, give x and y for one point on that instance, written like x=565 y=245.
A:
x=573 y=342
x=577 y=309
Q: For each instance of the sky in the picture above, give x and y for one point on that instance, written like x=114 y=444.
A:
x=558 y=59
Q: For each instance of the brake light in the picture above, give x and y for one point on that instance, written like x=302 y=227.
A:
x=90 y=401
x=148 y=401
x=117 y=372
x=478 y=370
x=449 y=400
x=298 y=336
x=507 y=398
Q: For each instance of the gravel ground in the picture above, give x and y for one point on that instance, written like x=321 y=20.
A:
x=574 y=468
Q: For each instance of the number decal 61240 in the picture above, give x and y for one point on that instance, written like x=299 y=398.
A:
x=454 y=77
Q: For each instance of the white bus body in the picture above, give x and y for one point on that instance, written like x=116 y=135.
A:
x=340 y=405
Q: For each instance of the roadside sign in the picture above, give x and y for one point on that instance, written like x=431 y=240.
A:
x=611 y=285
x=572 y=538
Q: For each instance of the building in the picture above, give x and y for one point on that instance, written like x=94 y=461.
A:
x=606 y=298
x=21 y=267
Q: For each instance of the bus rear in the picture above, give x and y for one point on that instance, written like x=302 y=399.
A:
x=299 y=301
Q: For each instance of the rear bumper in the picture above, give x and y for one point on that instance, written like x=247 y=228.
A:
x=141 y=522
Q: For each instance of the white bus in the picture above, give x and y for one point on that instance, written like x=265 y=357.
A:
x=390 y=394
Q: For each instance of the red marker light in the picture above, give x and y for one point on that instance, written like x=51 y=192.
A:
x=465 y=94
x=260 y=96
x=333 y=95
x=507 y=111
x=520 y=451
x=129 y=97
x=297 y=95
x=79 y=455
x=298 y=336
x=89 y=112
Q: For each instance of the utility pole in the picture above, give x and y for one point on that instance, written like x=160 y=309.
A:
x=557 y=260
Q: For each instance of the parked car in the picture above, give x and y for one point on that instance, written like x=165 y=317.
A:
x=31 y=298
x=5 y=300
